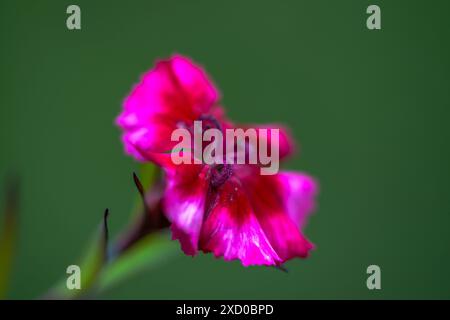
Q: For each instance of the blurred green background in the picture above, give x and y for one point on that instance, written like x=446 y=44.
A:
x=370 y=110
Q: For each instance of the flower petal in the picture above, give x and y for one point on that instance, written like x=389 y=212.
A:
x=286 y=143
x=231 y=229
x=173 y=94
x=268 y=201
x=298 y=191
x=141 y=142
x=195 y=83
x=184 y=203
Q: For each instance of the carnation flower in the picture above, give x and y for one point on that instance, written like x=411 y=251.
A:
x=226 y=208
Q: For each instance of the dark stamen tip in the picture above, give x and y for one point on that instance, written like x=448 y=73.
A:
x=220 y=174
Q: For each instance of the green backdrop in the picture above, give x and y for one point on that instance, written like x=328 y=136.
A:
x=370 y=110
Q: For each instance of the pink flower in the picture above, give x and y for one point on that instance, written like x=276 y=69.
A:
x=229 y=209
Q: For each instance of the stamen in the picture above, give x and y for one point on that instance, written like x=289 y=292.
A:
x=220 y=174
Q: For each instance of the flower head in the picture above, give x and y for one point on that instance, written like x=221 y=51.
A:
x=226 y=208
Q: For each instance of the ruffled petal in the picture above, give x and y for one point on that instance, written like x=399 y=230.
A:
x=286 y=143
x=284 y=236
x=172 y=95
x=231 y=229
x=184 y=203
x=155 y=137
x=194 y=82
x=298 y=192
x=268 y=201
x=188 y=240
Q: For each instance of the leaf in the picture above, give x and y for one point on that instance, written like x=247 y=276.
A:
x=8 y=235
x=142 y=246
x=148 y=252
x=95 y=258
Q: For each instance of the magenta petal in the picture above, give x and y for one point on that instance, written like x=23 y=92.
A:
x=174 y=87
x=174 y=93
x=188 y=241
x=298 y=191
x=271 y=210
x=231 y=230
x=154 y=137
x=195 y=84
x=286 y=142
x=184 y=204
x=284 y=235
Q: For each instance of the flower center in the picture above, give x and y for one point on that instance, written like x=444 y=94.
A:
x=220 y=174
